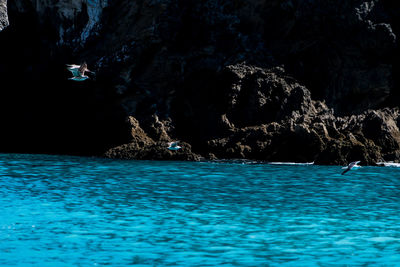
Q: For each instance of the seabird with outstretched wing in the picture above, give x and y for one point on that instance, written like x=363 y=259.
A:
x=78 y=71
x=174 y=145
x=351 y=166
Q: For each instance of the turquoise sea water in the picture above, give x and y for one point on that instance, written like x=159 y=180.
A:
x=73 y=211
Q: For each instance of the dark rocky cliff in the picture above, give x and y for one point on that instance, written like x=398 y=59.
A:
x=271 y=80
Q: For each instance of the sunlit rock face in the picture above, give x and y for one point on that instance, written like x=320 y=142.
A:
x=3 y=14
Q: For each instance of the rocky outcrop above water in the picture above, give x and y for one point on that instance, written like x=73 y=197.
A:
x=269 y=116
x=143 y=147
x=289 y=80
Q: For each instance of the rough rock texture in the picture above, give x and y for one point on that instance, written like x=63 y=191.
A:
x=143 y=147
x=3 y=14
x=279 y=122
x=292 y=80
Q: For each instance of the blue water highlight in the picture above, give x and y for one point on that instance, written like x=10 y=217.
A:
x=76 y=211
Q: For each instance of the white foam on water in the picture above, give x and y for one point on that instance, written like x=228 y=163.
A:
x=388 y=164
x=291 y=163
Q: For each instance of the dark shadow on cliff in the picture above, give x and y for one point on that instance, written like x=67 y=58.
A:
x=393 y=9
x=41 y=111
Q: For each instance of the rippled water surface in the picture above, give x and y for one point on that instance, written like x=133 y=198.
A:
x=72 y=211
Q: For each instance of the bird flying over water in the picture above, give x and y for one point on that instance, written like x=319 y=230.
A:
x=351 y=166
x=174 y=145
x=78 y=71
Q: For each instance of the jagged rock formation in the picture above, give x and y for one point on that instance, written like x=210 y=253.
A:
x=278 y=121
x=289 y=80
x=144 y=147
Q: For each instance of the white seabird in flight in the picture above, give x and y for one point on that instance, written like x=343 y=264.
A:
x=78 y=71
x=351 y=166
x=174 y=145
